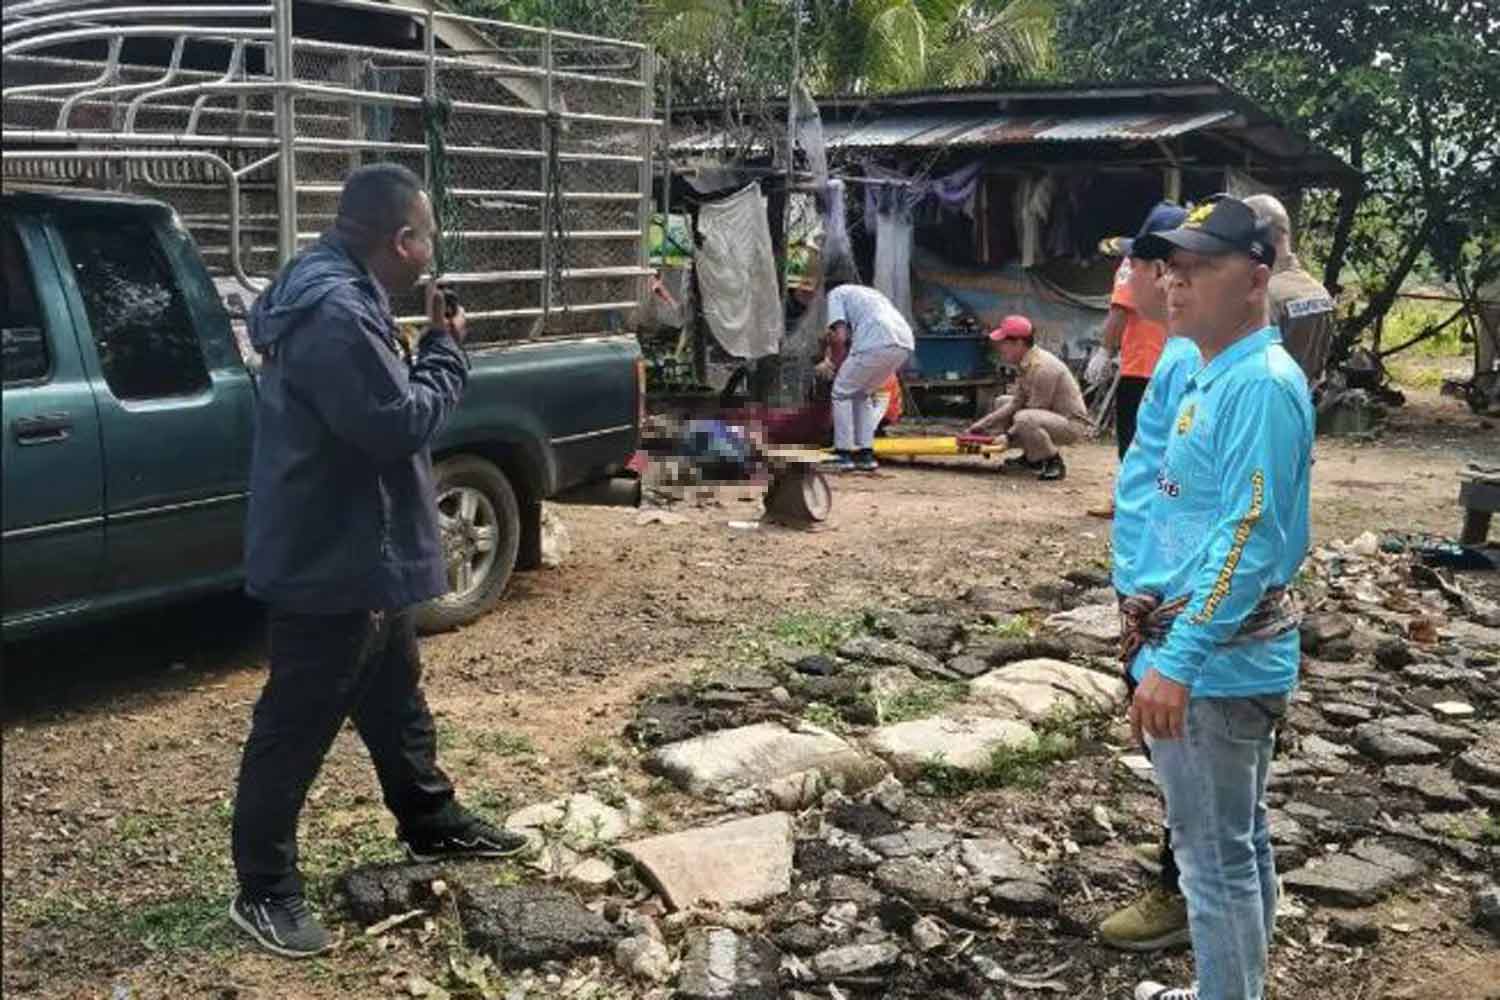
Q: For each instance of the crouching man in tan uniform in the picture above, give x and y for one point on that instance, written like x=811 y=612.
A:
x=1046 y=411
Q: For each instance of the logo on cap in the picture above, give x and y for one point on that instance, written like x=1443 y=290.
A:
x=1198 y=216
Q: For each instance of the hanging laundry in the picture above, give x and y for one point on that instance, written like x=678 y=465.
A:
x=737 y=275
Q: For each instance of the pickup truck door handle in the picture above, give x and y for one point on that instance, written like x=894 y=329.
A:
x=46 y=428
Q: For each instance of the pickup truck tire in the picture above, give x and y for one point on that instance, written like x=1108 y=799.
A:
x=480 y=522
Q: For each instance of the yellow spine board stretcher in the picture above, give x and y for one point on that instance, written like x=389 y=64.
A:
x=893 y=447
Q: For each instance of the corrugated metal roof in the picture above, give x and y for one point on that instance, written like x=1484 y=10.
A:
x=955 y=129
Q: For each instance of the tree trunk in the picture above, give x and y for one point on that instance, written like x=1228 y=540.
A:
x=1349 y=198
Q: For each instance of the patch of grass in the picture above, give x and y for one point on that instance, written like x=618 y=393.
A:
x=1416 y=375
x=189 y=923
x=1015 y=627
x=1409 y=317
x=1489 y=830
x=504 y=743
x=1008 y=767
x=488 y=800
x=601 y=752
x=447 y=736
x=921 y=701
x=136 y=827
x=825 y=632
x=825 y=717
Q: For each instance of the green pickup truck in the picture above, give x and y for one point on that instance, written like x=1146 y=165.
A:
x=129 y=415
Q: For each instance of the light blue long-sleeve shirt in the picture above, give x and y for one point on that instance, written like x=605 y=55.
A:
x=1229 y=520
x=1135 y=485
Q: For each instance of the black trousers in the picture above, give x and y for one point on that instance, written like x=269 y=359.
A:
x=324 y=670
x=1128 y=395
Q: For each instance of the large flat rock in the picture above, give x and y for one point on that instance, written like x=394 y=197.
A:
x=579 y=817
x=741 y=863
x=1363 y=876
x=1381 y=742
x=1022 y=685
x=1092 y=628
x=759 y=755
x=886 y=653
x=1480 y=764
x=722 y=965
x=965 y=743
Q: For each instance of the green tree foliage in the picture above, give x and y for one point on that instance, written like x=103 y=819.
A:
x=1408 y=91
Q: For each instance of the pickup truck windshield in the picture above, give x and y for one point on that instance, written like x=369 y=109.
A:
x=148 y=346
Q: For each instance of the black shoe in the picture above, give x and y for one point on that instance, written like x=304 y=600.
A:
x=864 y=460
x=280 y=924
x=1052 y=470
x=461 y=834
x=1020 y=463
x=843 y=461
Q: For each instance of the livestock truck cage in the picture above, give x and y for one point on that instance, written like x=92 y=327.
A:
x=535 y=144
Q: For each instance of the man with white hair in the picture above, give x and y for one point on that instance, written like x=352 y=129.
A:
x=1300 y=306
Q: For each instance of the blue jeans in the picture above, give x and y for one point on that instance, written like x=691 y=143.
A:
x=1214 y=782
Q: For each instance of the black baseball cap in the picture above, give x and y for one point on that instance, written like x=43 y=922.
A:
x=1217 y=227
x=1163 y=216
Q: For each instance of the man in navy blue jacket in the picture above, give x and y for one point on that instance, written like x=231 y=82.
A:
x=342 y=540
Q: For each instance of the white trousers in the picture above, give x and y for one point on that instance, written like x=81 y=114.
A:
x=860 y=378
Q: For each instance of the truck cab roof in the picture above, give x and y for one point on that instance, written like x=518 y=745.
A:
x=42 y=196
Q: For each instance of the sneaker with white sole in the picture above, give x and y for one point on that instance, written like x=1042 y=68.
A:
x=280 y=924
x=1147 y=990
x=461 y=834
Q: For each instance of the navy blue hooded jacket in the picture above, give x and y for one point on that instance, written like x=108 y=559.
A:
x=343 y=515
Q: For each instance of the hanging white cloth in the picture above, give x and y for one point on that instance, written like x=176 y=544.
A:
x=737 y=275
x=893 y=242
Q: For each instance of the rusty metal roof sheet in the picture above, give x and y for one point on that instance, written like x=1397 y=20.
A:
x=958 y=129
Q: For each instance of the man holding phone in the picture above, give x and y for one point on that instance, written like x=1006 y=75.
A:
x=342 y=541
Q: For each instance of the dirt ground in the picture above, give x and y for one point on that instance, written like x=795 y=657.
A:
x=121 y=742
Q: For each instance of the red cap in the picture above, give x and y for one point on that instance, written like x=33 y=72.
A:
x=1012 y=327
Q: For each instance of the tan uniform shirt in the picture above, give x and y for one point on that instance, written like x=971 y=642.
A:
x=1046 y=383
x=1303 y=310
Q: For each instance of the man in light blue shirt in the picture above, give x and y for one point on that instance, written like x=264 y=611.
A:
x=1210 y=617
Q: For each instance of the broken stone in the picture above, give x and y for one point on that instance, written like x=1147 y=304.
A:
x=591 y=875
x=1442 y=736
x=1438 y=674
x=1000 y=650
x=1487 y=908
x=1353 y=932
x=928 y=935
x=986 y=598
x=1393 y=654
x=1022 y=700
x=925 y=884
x=800 y=938
x=1093 y=628
x=889 y=795
x=846 y=889
x=969 y=666
x=1362 y=877
x=1453 y=709
x=996 y=861
x=740 y=863
x=1021 y=899
x=934 y=634
x=855 y=960
x=374 y=892
x=918 y=841
x=1139 y=765
x=753 y=756
x=883 y=652
x=722 y=965
x=577 y=817
x=964 y=743
x=1432 y=785
x=1378 y=741
x=1480 y=764
x=743 y=680
x=863 y=819
x=1314 y=745
x=645 y=958
x=1319 y=629
x=816 y=665
x=1344 y=714
x=524 y=926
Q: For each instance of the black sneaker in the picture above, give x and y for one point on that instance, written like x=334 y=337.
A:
x=280 y=924
x=461 y=834
x=1052 y=470
x=864 y=460
x=1020 y=463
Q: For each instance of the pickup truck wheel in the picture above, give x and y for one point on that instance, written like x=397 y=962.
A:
x=480 y=525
